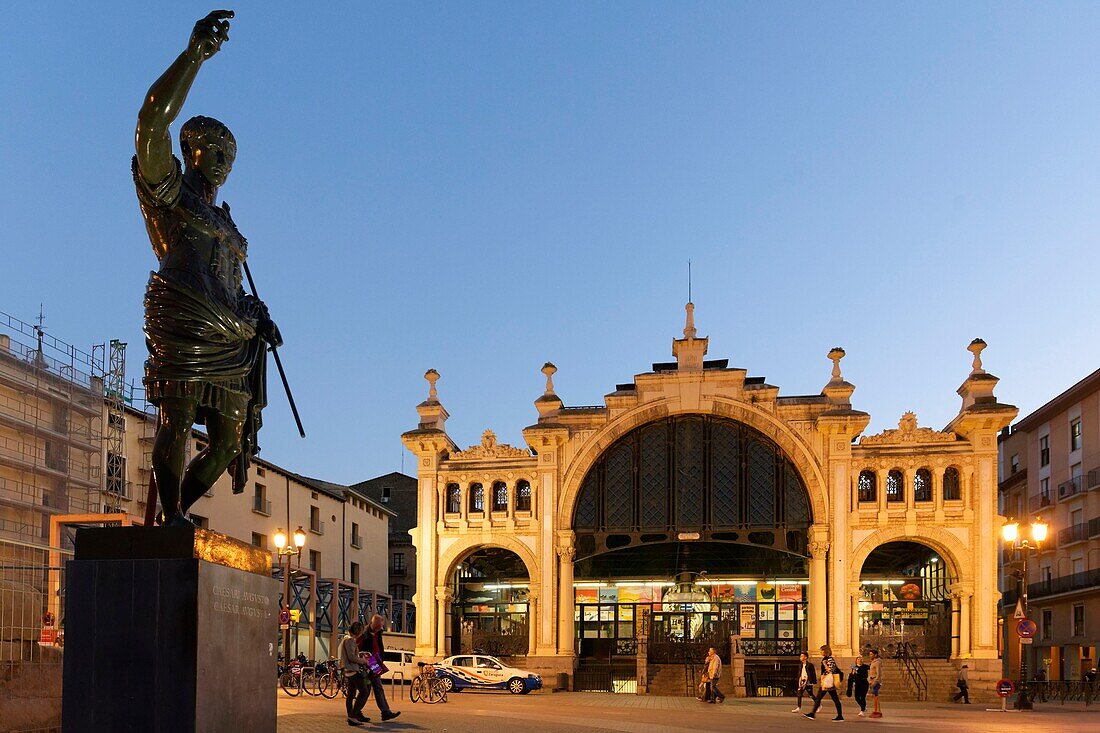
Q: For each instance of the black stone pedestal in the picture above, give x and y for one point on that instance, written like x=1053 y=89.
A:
x=169 y=630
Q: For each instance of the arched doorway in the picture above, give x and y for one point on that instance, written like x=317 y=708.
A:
x=688 y=530
x=490 y=613
x=905 y=598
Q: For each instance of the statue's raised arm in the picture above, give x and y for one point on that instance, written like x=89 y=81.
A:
x=166 y=97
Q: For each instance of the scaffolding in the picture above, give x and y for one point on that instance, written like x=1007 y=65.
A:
x=51 y=430
x=115 y=486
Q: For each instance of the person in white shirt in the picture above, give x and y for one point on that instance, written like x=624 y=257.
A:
x=874 y=679
x=807 y=676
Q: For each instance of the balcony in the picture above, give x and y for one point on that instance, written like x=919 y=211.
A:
x=1039 y=502
x=1075 y=485
x=261 y=505
x=1076 y=533
x=356 y=541
x=317 y=527
x=1064 y=584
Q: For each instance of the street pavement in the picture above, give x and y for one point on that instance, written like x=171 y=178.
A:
x=546 y=712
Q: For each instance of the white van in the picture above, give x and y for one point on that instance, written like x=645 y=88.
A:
x=399 y=661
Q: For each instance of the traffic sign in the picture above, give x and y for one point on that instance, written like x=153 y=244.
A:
x=1026 y=640
x=1005 y=688
x=1019 y=613
x=284 y=617
x=1026 y=628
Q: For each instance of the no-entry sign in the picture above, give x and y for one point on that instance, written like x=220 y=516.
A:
x=1026 y=628
x=1005 y=688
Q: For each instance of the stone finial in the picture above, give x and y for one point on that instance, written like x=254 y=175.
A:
x=689 y=320
x=976 y=347
x=836 y=354
x=432 y=376
x=549 y=370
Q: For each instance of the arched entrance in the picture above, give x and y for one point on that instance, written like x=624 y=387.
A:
x=490 y=611
x=690 y=529
x=905 y=598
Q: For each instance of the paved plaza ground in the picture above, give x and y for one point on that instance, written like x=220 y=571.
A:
x=578 y=712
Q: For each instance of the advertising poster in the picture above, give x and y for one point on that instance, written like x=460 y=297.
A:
x=748 y=621
x=790 y=592
x=765 y=592
x=744 y=592
x=609 y=595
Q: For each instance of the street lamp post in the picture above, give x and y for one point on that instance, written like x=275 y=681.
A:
x=285 y=551
x=1025 y=545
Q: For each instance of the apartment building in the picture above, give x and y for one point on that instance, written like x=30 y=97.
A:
x=1050 y=470
x=397 y=492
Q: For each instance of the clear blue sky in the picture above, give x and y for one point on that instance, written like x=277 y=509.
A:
x=480 y=188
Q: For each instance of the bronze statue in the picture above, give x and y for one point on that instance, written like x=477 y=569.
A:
x=207 y=337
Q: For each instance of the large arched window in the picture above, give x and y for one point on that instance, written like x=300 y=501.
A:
x=895 y=486
x=477 y=498
x=952 y=484
x=454 y=499
x=867 y=489
x=922 y=485
x=693 y=474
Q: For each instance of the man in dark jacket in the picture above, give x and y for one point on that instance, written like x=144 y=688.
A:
x=857 y=680
x=371 y=643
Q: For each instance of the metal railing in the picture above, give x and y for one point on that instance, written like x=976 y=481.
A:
x=317 y=527
x=1067 y=489
x=261 y=505
x=1040 y=502
x=1062 y=584
x=912 y=671
x=1076 y=533
x=1093 y=480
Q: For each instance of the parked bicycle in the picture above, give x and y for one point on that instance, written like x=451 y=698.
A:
x=427 y=686
x=332 y=681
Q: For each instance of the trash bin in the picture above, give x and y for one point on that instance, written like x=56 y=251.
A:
x=562 y=685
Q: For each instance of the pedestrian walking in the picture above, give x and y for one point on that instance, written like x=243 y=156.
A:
x=807 y=676
x=857 y=681
x=713 y=674
x=830 y=679
x=352 y=663
x=874 y=679
x=963 y=684
x=373 y=646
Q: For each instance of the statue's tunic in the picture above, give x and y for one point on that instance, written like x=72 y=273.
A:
x=200 y=326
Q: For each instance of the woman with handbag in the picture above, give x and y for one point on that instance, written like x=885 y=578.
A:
x=352 y=663
x=830 y=679
x=373 y=648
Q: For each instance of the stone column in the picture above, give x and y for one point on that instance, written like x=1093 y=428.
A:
x=910 y=488
x=880 y=487
x=443 y=598
x=818 y=593
x=854 y=596
x=964 y=625
x=533 y=620
x=464 y=501
x=955 y=618
x=566 y=552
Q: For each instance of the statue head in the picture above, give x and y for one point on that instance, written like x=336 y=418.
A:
x=208 y=148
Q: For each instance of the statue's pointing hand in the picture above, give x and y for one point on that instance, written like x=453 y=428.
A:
x=209 y=34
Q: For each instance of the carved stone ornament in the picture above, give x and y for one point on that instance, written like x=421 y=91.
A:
x=444 y=593
x=567 y=552
x=819 y=549
x=489 y=448
x=908 y=432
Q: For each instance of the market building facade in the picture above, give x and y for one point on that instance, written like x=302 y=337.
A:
x=698 y=505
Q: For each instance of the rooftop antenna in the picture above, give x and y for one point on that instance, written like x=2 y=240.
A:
x=39 y=330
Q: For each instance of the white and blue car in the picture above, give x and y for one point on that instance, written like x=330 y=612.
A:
x=481 y=672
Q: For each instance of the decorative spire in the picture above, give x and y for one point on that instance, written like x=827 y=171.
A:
x=432 y=414
x=549 y=370
x=690 y=350
x=976 y=347
x=836 y=354
x=549 y=404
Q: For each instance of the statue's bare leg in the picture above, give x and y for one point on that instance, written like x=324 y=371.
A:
x=225 y=445
x=174 y=420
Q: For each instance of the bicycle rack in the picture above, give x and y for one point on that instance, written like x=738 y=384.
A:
x=393 y=681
